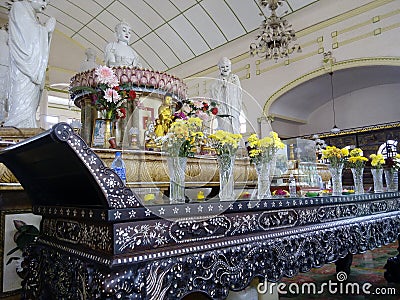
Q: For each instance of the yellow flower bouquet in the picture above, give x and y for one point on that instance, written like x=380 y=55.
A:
x=335 y=155
x=377 y=162
x=179 y=143
x=262 y=153
x=182 y=137
x=356 y=162
x=356 y=159
x=265 y=148
x=225 y=145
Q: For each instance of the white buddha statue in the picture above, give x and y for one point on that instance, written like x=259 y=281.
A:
x=227 y=92
x=119 y=53
x=4 y=73
x=90 y=62
x=29 y=43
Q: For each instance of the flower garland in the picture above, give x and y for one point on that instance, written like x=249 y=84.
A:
x=201 y=108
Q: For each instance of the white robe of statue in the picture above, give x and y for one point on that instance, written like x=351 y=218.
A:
x=90 y=62
x=227 y=92
x=119 y=53
x=29 y=43
x=4 y=74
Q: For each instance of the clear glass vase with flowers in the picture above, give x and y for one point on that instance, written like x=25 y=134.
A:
x=391 y=170
x=262 y=153
x=178 y=143
x=377 y=162
x=225 y=144
x=337 y=157
x=356 y=162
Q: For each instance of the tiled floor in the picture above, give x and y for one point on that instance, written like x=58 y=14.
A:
x=366 y=268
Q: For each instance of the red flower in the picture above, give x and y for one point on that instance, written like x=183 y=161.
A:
x=132 y=95
x=214 y=110
x=121 y=113
x=116 y=88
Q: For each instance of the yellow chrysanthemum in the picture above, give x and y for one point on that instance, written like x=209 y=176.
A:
x=377 y=160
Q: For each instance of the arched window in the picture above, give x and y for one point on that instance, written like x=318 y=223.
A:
x=388 y=149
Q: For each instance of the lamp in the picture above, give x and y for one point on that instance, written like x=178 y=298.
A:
x=275 y=35
x=335 y=129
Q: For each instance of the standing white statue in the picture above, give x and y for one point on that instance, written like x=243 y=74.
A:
x=90 y=61
x=29 y=43
x=4 y=74
x=119 y=53
x=227 y=92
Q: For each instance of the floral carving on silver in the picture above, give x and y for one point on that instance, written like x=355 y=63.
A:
x=244 y=224
x=278 y=219
x=195 y=230
x=130 y=237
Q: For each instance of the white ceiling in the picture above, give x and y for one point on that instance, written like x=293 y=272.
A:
x=166 y=33
x=302 y=100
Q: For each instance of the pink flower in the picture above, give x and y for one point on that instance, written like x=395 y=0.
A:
x=111 y=95
x=106 y=75
x=202 y=115
x=186 y=108
x=198 y=104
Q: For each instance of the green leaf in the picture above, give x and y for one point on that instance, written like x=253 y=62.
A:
x=13 y=250
x=83 y=88
x=11 y=259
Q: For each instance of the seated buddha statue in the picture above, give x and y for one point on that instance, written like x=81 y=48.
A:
x=165 y=116
x=119 y=53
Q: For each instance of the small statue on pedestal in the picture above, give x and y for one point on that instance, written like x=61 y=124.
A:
x=150 y=137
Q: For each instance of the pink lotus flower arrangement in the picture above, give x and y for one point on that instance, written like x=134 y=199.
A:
x=110 y=97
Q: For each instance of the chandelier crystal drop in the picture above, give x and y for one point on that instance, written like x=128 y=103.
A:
x=275 y=35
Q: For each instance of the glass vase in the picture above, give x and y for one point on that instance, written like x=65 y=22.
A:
x=176 y=169
x=336 y=173
x=378 y=180
x=358 y=180
x=226 y=184
x=392 y=180
x=263 y=169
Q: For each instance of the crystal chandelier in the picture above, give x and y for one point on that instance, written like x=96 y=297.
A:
x=275 y=35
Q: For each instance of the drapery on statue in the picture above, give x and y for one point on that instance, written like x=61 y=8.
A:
x=29 y=43
x=90 y=61
x=227 y=92
x=4 y=74
x=119 y=53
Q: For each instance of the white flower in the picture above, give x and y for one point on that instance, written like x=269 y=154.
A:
x=112 y=95
x=106 y=75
